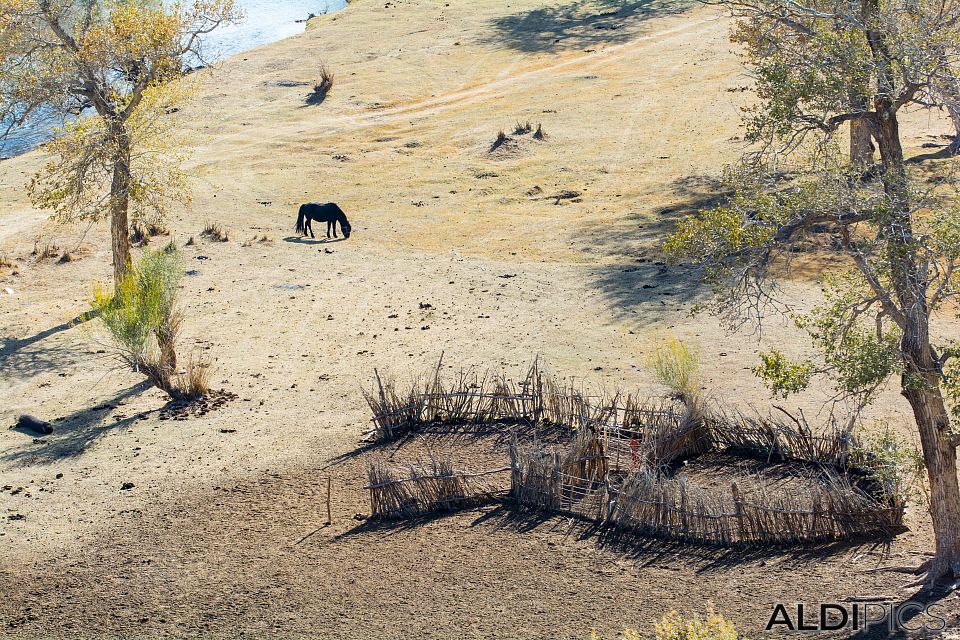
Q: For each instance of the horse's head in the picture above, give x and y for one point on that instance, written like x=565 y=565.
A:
x=345 y=227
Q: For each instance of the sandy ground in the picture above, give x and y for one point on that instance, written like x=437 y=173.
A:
x=641 y=105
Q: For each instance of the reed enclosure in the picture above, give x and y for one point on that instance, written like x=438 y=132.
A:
x=619 y=462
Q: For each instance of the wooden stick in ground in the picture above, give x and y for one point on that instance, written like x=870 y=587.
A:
x=329 y=519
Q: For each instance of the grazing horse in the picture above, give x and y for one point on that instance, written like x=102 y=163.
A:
x=329 y=213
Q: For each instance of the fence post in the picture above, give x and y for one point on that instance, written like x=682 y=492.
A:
x=738 y=507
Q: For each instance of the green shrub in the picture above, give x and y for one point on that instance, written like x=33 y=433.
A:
x=142 y=318
x=895 y=464
x=781 y=375
x=677 y=366
x=673 y=626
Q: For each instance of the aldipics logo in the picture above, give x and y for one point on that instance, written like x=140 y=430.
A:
x=905 y=616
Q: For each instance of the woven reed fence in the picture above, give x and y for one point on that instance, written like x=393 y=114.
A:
x=648 y=502
x=537 y=398
x=613 y=469
x=786 y=438
x=415 y=490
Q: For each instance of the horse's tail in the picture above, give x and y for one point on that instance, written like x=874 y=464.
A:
x=300 y=218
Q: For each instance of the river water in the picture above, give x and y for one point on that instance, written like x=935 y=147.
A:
x=266 y=21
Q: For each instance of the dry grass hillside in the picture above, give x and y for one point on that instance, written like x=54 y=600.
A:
x=490 y=255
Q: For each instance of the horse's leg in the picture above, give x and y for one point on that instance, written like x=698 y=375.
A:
x=328 y=228
x=310 y=227
x=334 y=224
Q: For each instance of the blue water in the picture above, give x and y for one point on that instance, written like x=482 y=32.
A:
x=266 y=21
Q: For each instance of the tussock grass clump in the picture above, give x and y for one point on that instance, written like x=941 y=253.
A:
x=47 y=251
x=257 y=239
x=194 y=380
x=499 y=141
x=215 y=232
x=143 y=321
x=322 y=86
x=5 y=262
x=190 y=242
x=539 y=134
x=522 y=127
x=141 y=232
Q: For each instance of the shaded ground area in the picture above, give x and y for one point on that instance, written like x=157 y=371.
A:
x=486 y=257
x=277 y=571
x=580 y=24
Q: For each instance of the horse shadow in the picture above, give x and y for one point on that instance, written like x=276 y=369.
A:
x=305 y=240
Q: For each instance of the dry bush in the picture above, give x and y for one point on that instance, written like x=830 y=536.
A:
x=540 y=134
x=501 y=139
x=522 y=128
x=5 y=262
x=68 y=256
x=673 y=626
x=194 y=380
x=49 y=250
x=677 y=366
x=322 y=86
x=215 y=232
x=190 y=242
x=257 y=239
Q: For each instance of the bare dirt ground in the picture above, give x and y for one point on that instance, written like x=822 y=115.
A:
x=534 y=248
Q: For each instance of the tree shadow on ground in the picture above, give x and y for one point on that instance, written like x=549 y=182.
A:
x=640 y=286
x=945 y=152
x=75 y=433
x=581 y=24
x=23 y=358
x=915 y=620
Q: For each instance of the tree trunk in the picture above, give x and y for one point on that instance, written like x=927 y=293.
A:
x=861 y=140
x=861 y=144
x=947 y=90
x=953 y=108
x=921 y=389
x=920 y=383
x=119 y=203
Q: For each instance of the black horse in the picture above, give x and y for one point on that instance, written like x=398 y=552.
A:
x=329 y=213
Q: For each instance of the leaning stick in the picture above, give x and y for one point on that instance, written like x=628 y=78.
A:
x=329 y=519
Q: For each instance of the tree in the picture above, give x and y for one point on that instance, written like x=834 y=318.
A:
x=864 y=42
x=116 y=62
x=819 y=66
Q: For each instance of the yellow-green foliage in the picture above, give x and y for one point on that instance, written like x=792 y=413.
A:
x=673 y=626
x=76 y=179
x=677 y=366
x=781 y=375
x=142 y=304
